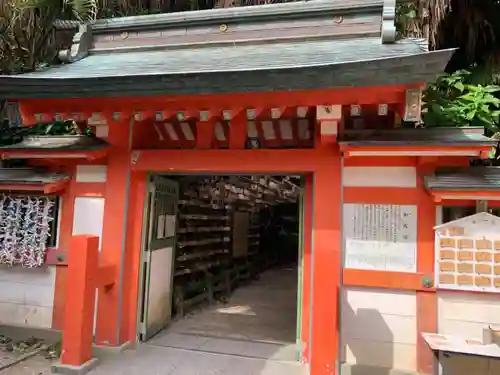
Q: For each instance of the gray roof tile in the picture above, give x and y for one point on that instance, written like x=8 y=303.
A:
x=253 y=57
x=458 y=179
x=426 y=136
x=57 y=143
x=306 y=65
x=27 y=176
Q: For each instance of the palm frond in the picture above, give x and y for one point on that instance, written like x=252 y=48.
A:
x=83 y=10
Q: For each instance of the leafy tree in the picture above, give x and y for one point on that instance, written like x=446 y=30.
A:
x=453 y=100
x=471 y=25
x=27 y=34
x=82 y=10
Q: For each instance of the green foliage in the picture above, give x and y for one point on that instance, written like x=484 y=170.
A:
x=81 y=10
x=25 y=38
x=27 y=35
x=125 y=10
x=407 y=20
x=456 y=100
x=12 y=135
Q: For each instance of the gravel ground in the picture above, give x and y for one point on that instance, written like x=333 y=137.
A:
x=37 y=365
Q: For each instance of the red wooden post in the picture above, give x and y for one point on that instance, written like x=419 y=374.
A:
x=327 y=243
x=324 y=345
x=78 y=327
x=427 y=309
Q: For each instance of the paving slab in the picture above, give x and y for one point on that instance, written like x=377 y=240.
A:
x=157 y=360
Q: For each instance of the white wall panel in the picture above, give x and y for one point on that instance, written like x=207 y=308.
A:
x=88 y=216
x=379 y=328
x=379 y=177
x=27 y=296
x=91 y=173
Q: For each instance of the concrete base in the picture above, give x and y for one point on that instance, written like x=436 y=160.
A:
x=351 y=369
x=100 y=351
x=59 y=368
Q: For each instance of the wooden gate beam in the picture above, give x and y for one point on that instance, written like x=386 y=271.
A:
x=173 y=103
x=228 y=161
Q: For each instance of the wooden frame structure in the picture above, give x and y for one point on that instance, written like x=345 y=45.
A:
x=247 y=119
x=127 y=165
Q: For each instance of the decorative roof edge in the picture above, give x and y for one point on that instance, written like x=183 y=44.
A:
x=299 y=9
x=429 y=130
x=82 y=43
x=83 y=39
x=389 y=22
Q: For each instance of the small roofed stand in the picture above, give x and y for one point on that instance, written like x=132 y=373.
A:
x=195 y=137
x=30 y=194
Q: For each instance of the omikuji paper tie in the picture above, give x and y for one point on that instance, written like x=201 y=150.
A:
x=24 y=229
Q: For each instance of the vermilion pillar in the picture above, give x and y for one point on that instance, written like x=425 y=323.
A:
x=326 y=269
x=326 y=240
x=115 y=212
x=427 y=318
x=132 y=267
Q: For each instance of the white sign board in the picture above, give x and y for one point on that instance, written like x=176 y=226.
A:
x=380 y=237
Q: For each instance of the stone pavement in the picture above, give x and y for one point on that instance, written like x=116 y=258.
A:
x=149 y=359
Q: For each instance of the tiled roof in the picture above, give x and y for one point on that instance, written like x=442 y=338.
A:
x=240 y=68
x=416 y=137
x=29 y=176
x=54 y=143
x=301 y=45
x=472 y=178
x=253 y=57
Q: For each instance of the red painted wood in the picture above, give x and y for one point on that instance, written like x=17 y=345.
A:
x=173 y=103
x=427 y=313
x=56 y=256
x=113 y=229
x=324 y=346
x=80 y=300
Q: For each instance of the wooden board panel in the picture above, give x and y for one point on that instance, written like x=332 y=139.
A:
x=241 y=222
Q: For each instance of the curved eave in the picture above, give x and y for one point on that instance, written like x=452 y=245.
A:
x=472 y=183
x=465 y=194
x=406 y=69
x=89 y=155
x=43 y=188
x=471 y=150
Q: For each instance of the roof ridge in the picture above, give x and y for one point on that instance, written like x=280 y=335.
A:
x=289 y=10
x=310 y=11
x=222 y=44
